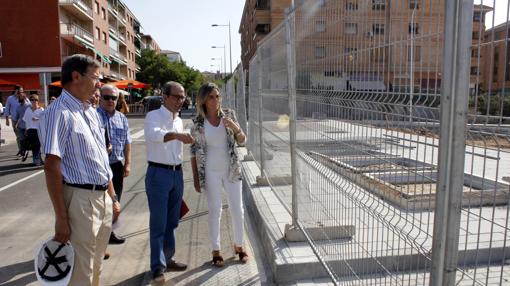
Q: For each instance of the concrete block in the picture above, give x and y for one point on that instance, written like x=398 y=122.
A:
x=293 y=234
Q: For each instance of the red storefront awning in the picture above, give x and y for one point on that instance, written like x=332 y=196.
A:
x=29 y=81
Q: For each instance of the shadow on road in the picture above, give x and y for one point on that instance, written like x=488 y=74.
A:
x=135 y=280
x=23 y=269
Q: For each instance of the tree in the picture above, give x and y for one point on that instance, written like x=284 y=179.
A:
x=156 y=69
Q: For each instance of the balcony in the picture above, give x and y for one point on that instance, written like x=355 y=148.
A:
x=118 y=57
x=123 y=20
x=138 y=52
x=77 y=34
x=77 y=8
x=112 y=9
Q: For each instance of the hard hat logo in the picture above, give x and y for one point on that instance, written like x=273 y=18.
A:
x=54 y=261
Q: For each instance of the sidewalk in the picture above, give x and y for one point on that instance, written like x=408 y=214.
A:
x=129 y=263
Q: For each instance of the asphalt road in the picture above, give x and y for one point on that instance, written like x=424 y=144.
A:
x=26 y=218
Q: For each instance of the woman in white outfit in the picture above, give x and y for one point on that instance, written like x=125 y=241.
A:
x=31 y=118
x=216 y=166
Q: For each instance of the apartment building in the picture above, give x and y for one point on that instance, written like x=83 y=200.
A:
x=172 y=56
x=366 y=45
x=258 y=20
x=37 y=36
x=495 y=50
x=148 y=42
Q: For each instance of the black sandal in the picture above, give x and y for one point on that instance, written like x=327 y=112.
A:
x=243 y=256
x=217 y=259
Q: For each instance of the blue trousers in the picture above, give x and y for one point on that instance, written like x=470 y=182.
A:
x=164 y=190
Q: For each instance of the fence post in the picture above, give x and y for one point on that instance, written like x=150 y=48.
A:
x=454 y=108
x=290 y=38
x=261 y=106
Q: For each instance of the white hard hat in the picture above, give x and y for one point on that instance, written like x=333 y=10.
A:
x=54 y=262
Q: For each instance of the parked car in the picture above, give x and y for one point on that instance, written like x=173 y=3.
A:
x=152 y=102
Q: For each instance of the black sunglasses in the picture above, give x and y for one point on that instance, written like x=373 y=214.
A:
x=109 y=97
x=34 y=99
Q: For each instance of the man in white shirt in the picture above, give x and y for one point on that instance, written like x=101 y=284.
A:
x=164 y=183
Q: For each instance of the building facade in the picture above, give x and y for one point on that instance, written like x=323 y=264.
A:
x=172 y=56
x=495 y=69
x=34 y=47
x=258 y=20
x=148 y=42
x=361 y=45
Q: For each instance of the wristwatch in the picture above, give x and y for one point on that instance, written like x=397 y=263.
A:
x=115 y=199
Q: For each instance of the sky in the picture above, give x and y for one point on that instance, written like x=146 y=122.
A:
x=184 y=26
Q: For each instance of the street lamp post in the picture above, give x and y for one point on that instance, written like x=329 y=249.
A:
x=229 y=41
x=224 y=54
x=215 y=66
x=221 y=63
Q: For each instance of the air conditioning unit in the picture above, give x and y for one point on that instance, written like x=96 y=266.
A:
x=370 y=34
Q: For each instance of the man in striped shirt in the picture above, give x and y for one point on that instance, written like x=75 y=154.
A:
x=78 y=175
x=117 y=131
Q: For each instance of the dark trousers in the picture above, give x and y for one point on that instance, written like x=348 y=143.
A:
x=34 y=144
x=164 y=190
x=118 y=178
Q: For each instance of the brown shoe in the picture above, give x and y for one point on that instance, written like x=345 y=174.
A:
x=176 y=266
x=217 y=259
x=243 y=256
x=106 y=255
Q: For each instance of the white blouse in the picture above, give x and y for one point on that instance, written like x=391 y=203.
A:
x=217 y=147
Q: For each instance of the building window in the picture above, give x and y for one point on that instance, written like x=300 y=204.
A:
x=103 y=13
x=414 y=29
x=96 y=7
x=416 y=53
x=262 y=28
x=378 y=4
x=351 y=28
x=474 y=52
x=474 y=70
x=98 y=33
x=262 y=4
x=320 y=52
x=320 y=26
x=322 y=3
x=351 y=5
x=378 y=29
x=476 y=36
x=495 y=66
x=105 y=38
x=478 y=17
x=414 y=4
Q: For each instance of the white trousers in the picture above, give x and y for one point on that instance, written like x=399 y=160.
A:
x=215 y=182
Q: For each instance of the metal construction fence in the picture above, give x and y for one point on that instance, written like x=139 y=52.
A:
x=386 y=124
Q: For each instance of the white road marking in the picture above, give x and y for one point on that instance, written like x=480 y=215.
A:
x=21 y=180
x=134 y=136
x=137 y=134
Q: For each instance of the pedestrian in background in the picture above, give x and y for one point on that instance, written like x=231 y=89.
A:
x=78 y=174
x=10 y=110
x=216 y=166
x=122 y=104
x=117 y=131
x=20 y=125
x=32 y=118
x=164 y=182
